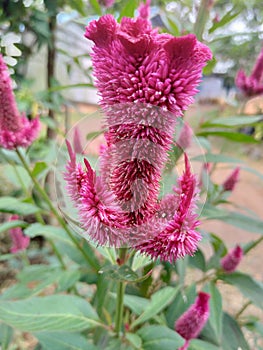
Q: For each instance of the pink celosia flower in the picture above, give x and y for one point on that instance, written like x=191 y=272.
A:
x=144 y=9
x=190 y=323
x=15 y=131
x=19 y=240
x=185 y=137
x=106 y=3
x=230 y=261
x=77 y=145
x=230 y=183
x=251 y=85
x=179 y=237
x=146 y=80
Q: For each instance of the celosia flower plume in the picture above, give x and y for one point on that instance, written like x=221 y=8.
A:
x=15 y=130
x=192 y=321
x=230 y=261
x=230 y=183
x=146 y=80
x=251 y=85
x=19 y=241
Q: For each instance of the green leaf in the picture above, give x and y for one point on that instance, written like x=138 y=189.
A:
x=158 y=302
x=233 y=337
x=228 y=17
x=233 y=136
x=48 y=231
x=50 y=313
x=17 y=175
x=128 y=9
x=6 y=335
x=94 y=134
x=63 y=341
x=249 y=287
x=197 y=344
x=79 y=6
x=208 y=69
x=135 y=303
x=216 y=158
x=198 y=260
x=248 y=223
x=160 y=338
x=134 y=340
x=232 y=121
x=213 y=328
x=67 y=280
x=39 y=168
x=16 y=206
x=11 y=224
x=140 y=260
x=96 y=6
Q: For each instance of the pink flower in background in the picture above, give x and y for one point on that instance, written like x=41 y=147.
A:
x=144 y=9
x=15 y=130
x=230 y=183
x=19 y=240
x=77 y=144
x=230 y=262
x=190 y=324
x=185 y=137
x=251 y=85
x=146 y=80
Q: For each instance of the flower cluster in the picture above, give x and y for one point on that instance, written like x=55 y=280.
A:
x=19 y=241
x=251 y=85
x=231 y=260
x=230 y=183
x=146 y=80
x=15 y=130
x=190 y=323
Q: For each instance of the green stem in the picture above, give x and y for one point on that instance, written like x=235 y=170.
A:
x=119 y=310
x=56 y=214
x=244 y=307
x=254 y=244
x=120 y=296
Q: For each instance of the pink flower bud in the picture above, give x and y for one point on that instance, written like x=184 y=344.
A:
x=230 y=262
x=15 y=130
x=144 y=9
x=19 y=240
x=77 y=146
x=231 y=181
x=190 y=323
x=185 y=137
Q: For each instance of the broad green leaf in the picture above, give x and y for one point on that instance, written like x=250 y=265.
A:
x=50 y=313
x=48 y=231
x=116 y=344
x=198 y=260
x=63 y=341
x=238 y=121
x=213 y=328
x=134 y=340
x=208 y=69
x=11 y=224
x=233 y=136
x=6 y=335
x=255 y=327
x=96 y=6
x=159 y=301
x=249 y=287
x=135 y=303
x=197 y=344
x=216 y=158
x=16 y=206
x=128 y=9
x=17 y=175
x=39 y=168
x=67 y=280
x=233 y=337
x=160 y=338
x=181 y=266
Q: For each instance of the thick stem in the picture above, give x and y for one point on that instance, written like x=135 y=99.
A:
x=119 y=309
x=202 y=17
x=56 y=214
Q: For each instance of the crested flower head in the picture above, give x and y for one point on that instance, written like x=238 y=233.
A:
x=19 y=240
x=230 y=183
x=230 y=261
x=251 y=85
x=192 y=321
x=15 y=130
x=146 y=80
